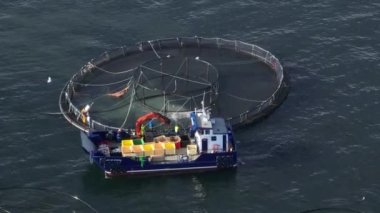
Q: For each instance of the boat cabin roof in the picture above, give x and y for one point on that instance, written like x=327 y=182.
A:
x=218 y=126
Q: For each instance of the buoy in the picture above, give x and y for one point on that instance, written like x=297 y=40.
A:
x=48 y=80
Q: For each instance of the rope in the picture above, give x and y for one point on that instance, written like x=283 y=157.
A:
x=121 y=104
x=241 y=98
x=111 y=108
x=102 y=85
x=179 y=68
x=181 y=107
x=195 y=103
x=54 y=113
x=145 y=87
x=175 y=86
x=164 y=106
x=159 y=57
x=49 y=190
x=146 y=78
x=107 y=94
x=120 y=88
x=129 y=108
x=197 y=82
x=109 y=72
x=4 y=210
x=138 y=78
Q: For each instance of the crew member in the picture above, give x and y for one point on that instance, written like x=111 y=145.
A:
x=176 y=128
x=119 y=135
x=142 y=130
x=85 y=114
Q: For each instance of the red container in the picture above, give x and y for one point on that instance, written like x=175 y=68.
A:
x=177 y=145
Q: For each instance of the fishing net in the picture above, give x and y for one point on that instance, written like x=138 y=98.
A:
x=235 y=80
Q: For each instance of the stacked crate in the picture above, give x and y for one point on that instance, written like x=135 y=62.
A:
x=137 y=147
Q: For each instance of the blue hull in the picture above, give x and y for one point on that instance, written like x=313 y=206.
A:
x=122 y=166
x=205 y=150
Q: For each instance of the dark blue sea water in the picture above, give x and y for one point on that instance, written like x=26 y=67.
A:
x=320 y=149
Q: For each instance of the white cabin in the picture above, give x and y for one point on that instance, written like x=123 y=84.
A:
x=211 y=135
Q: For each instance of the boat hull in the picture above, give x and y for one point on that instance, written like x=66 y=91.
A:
x=122 y=166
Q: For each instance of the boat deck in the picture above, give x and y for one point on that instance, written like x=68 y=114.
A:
x=180 y=155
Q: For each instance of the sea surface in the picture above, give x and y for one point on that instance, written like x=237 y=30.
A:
x=319 y=150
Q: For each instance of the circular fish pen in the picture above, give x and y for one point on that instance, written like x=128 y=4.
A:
x=238 y=81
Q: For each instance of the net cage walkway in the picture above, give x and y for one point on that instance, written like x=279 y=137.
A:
x=174 y=75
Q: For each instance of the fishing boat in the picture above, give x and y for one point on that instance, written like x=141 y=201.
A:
x=144 y=104
x=208 y=144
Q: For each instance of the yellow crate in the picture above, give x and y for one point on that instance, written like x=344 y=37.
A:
x=128 y=142
x=159 y=152
x=148 y=149
x=159 y=149
x=138 y=150
x=169 y=145
x=169 y=148
x=192 y=150
x=149 y=153
x=159 y=146
x=170 y=151
x=126 y=150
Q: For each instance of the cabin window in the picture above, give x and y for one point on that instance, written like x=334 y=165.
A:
x=207 y=132
x=213 y=138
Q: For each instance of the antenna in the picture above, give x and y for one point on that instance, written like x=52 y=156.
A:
x=203 y=104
